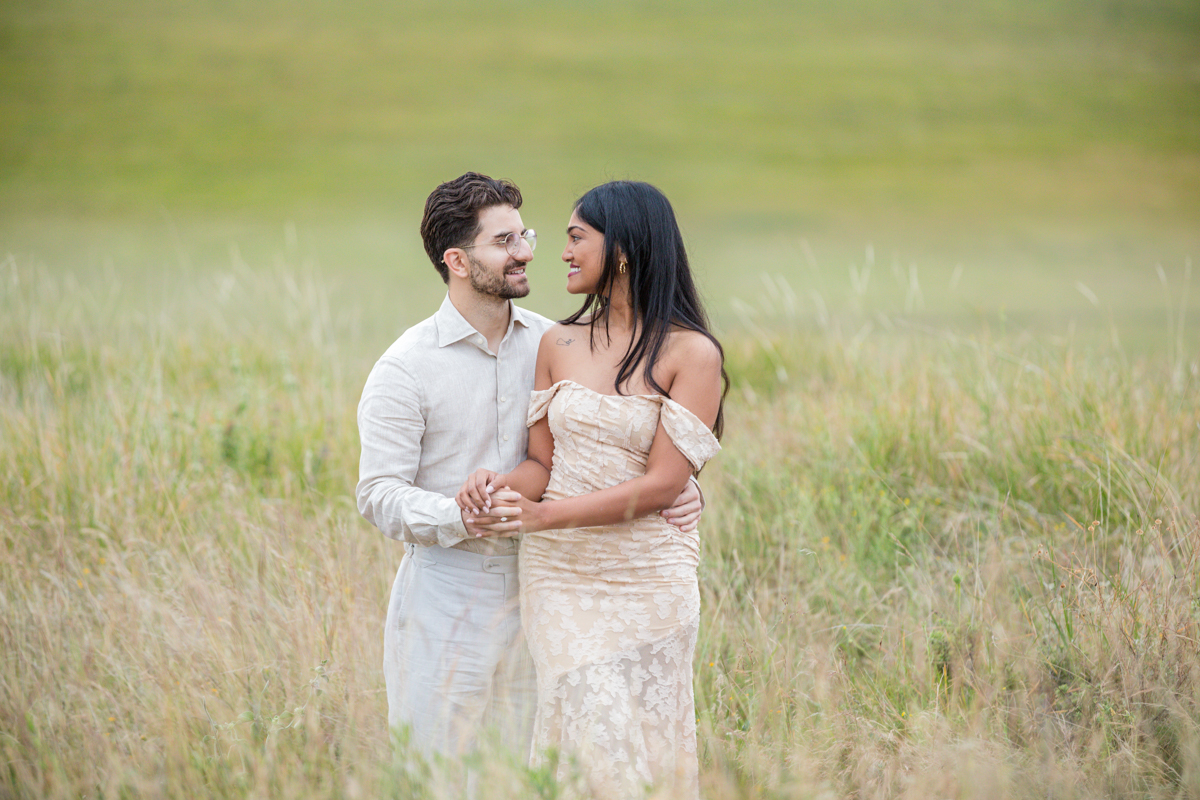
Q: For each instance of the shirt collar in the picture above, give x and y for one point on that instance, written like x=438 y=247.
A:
x=453 y=327
x=517 y=315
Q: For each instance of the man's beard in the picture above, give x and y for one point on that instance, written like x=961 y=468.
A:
x=490 y=283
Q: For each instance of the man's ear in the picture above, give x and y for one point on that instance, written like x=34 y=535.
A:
x=455 y=260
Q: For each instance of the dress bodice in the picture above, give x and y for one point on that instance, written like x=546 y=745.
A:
x=601 y=440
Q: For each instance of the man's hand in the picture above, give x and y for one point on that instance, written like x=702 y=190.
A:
x=685 y=513
x=476 y=494
x=511 y=514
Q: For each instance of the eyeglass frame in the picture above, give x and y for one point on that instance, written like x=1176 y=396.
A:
x=529 y=236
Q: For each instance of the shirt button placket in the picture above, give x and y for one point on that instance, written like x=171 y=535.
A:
x=502 y=437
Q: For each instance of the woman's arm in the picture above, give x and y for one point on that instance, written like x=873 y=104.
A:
x=697 y=387
x=531 y=475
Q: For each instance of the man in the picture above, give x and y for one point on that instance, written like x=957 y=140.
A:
x=449 y=396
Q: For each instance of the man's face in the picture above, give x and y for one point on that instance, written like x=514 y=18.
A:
x=494 y=271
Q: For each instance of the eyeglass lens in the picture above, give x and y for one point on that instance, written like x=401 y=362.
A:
x=512 y=242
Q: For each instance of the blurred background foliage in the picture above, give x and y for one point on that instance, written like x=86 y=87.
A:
x=994 y=153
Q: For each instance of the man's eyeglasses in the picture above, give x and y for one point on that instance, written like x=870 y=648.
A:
x=511 y=243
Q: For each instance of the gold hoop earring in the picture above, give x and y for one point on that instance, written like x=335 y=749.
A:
x=621 y=267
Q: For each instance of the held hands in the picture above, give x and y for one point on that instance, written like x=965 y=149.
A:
x=488 y=509
x=475 y=495
x=476 y=531
x=511 y=514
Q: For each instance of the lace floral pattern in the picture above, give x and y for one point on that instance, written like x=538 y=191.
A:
x=611 y=613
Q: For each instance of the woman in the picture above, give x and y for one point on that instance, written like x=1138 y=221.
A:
x=626 y=406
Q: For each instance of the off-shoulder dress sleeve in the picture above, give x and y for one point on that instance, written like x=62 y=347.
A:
x=539 y=403
x=689 y=433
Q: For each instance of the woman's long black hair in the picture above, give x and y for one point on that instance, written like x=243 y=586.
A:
x=638 y=222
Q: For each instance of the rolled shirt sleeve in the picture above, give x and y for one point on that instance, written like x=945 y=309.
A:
x=391 y=424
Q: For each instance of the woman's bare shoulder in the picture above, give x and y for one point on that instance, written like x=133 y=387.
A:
x=688 y=354
x=560 y=346
x=563 y=335
x=693 y=349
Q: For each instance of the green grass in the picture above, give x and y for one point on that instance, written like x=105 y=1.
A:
x=843 y=118
x=935 y=563
x=1024 y=147
x=950 y=548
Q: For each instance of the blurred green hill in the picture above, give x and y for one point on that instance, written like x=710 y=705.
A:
x=1022 y=136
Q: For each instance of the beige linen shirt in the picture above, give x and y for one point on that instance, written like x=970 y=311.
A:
x=438 y=405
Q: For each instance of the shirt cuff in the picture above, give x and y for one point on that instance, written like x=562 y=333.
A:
x=452 y=531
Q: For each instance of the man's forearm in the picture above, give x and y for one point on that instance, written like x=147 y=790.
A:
x=404 y=512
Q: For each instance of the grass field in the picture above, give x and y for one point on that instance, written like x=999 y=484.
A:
x=951 y=545
x=935 y=565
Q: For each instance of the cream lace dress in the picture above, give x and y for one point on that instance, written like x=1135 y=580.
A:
x=611 y=613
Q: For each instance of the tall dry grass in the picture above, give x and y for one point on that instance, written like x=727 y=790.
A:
x=935 y=565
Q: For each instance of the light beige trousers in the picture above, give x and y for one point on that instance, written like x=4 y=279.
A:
x=454 y=657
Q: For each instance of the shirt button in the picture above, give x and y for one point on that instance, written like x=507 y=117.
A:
x=506 y=438
x=503 y=399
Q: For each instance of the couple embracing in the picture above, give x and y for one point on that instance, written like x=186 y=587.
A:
x=486 y=426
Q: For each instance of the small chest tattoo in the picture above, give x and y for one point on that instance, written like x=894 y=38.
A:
x=564 y=342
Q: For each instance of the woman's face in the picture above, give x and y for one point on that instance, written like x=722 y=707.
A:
x=584 y=255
